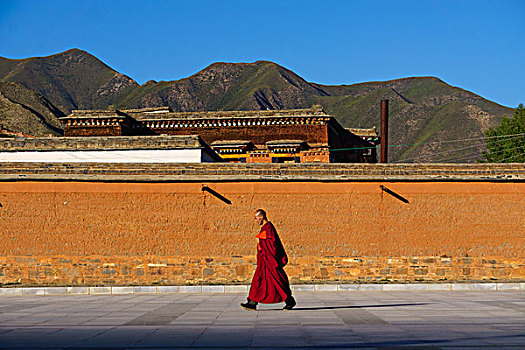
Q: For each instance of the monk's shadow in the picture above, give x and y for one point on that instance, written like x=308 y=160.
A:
x=344 y=307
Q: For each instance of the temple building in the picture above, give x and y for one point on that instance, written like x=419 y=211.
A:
x=271 y=136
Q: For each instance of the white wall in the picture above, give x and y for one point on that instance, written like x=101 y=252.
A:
x=124 y=156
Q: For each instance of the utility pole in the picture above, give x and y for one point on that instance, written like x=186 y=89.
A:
x=384 y=131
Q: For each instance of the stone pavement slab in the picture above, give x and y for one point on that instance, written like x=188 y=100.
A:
x=453 y=286
x=429 y=319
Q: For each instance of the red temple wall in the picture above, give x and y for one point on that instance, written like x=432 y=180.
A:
x=173 y=233
x=259 y=135
x=95 y=130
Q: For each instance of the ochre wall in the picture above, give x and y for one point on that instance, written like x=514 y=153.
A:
x=173 y=233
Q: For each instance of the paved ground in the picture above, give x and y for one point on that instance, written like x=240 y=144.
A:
x=322 y=320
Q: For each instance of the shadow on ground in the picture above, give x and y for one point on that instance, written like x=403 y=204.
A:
x=343 y=307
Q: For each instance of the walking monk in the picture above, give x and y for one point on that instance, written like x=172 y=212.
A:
x=269 y=284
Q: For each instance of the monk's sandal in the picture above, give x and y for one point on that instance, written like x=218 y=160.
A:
x=250 y=305
x=290 y=303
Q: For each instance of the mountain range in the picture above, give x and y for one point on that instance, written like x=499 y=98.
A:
x=427 y=116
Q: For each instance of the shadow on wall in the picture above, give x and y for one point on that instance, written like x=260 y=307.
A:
x=216 y=194
x=393 y=194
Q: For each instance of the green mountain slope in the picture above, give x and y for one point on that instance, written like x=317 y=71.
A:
x=22 y=110
x=426 y=114
x=227 y=86
x=70 y=80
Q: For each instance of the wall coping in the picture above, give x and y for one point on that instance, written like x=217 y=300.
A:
x=202 y=289
x=158 y=113
x=105 y=143
x=233 y=172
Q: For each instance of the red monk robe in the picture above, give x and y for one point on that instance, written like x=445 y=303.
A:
x=270 y=283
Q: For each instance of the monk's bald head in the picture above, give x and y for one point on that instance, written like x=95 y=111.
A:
x=260 y=216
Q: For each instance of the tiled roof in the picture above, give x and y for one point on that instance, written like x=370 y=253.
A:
x=220 y=143
x=372 y=132
x=165 y=114
x=284 y=142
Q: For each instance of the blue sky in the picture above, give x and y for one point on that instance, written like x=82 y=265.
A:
x=477 y=45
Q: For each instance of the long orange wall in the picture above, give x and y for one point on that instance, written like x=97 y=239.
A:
x=139 y=233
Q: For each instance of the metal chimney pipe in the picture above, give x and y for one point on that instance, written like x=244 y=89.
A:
x=384 y=131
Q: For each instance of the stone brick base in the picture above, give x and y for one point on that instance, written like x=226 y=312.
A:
x=157 y=270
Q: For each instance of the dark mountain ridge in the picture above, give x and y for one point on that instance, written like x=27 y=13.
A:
x=424 y=111
x=73 y=79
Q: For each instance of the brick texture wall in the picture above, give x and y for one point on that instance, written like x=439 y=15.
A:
x=174 y=233
x=312 y=134
x=106 y=130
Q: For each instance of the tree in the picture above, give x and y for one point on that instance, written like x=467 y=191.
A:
x=506 y=143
